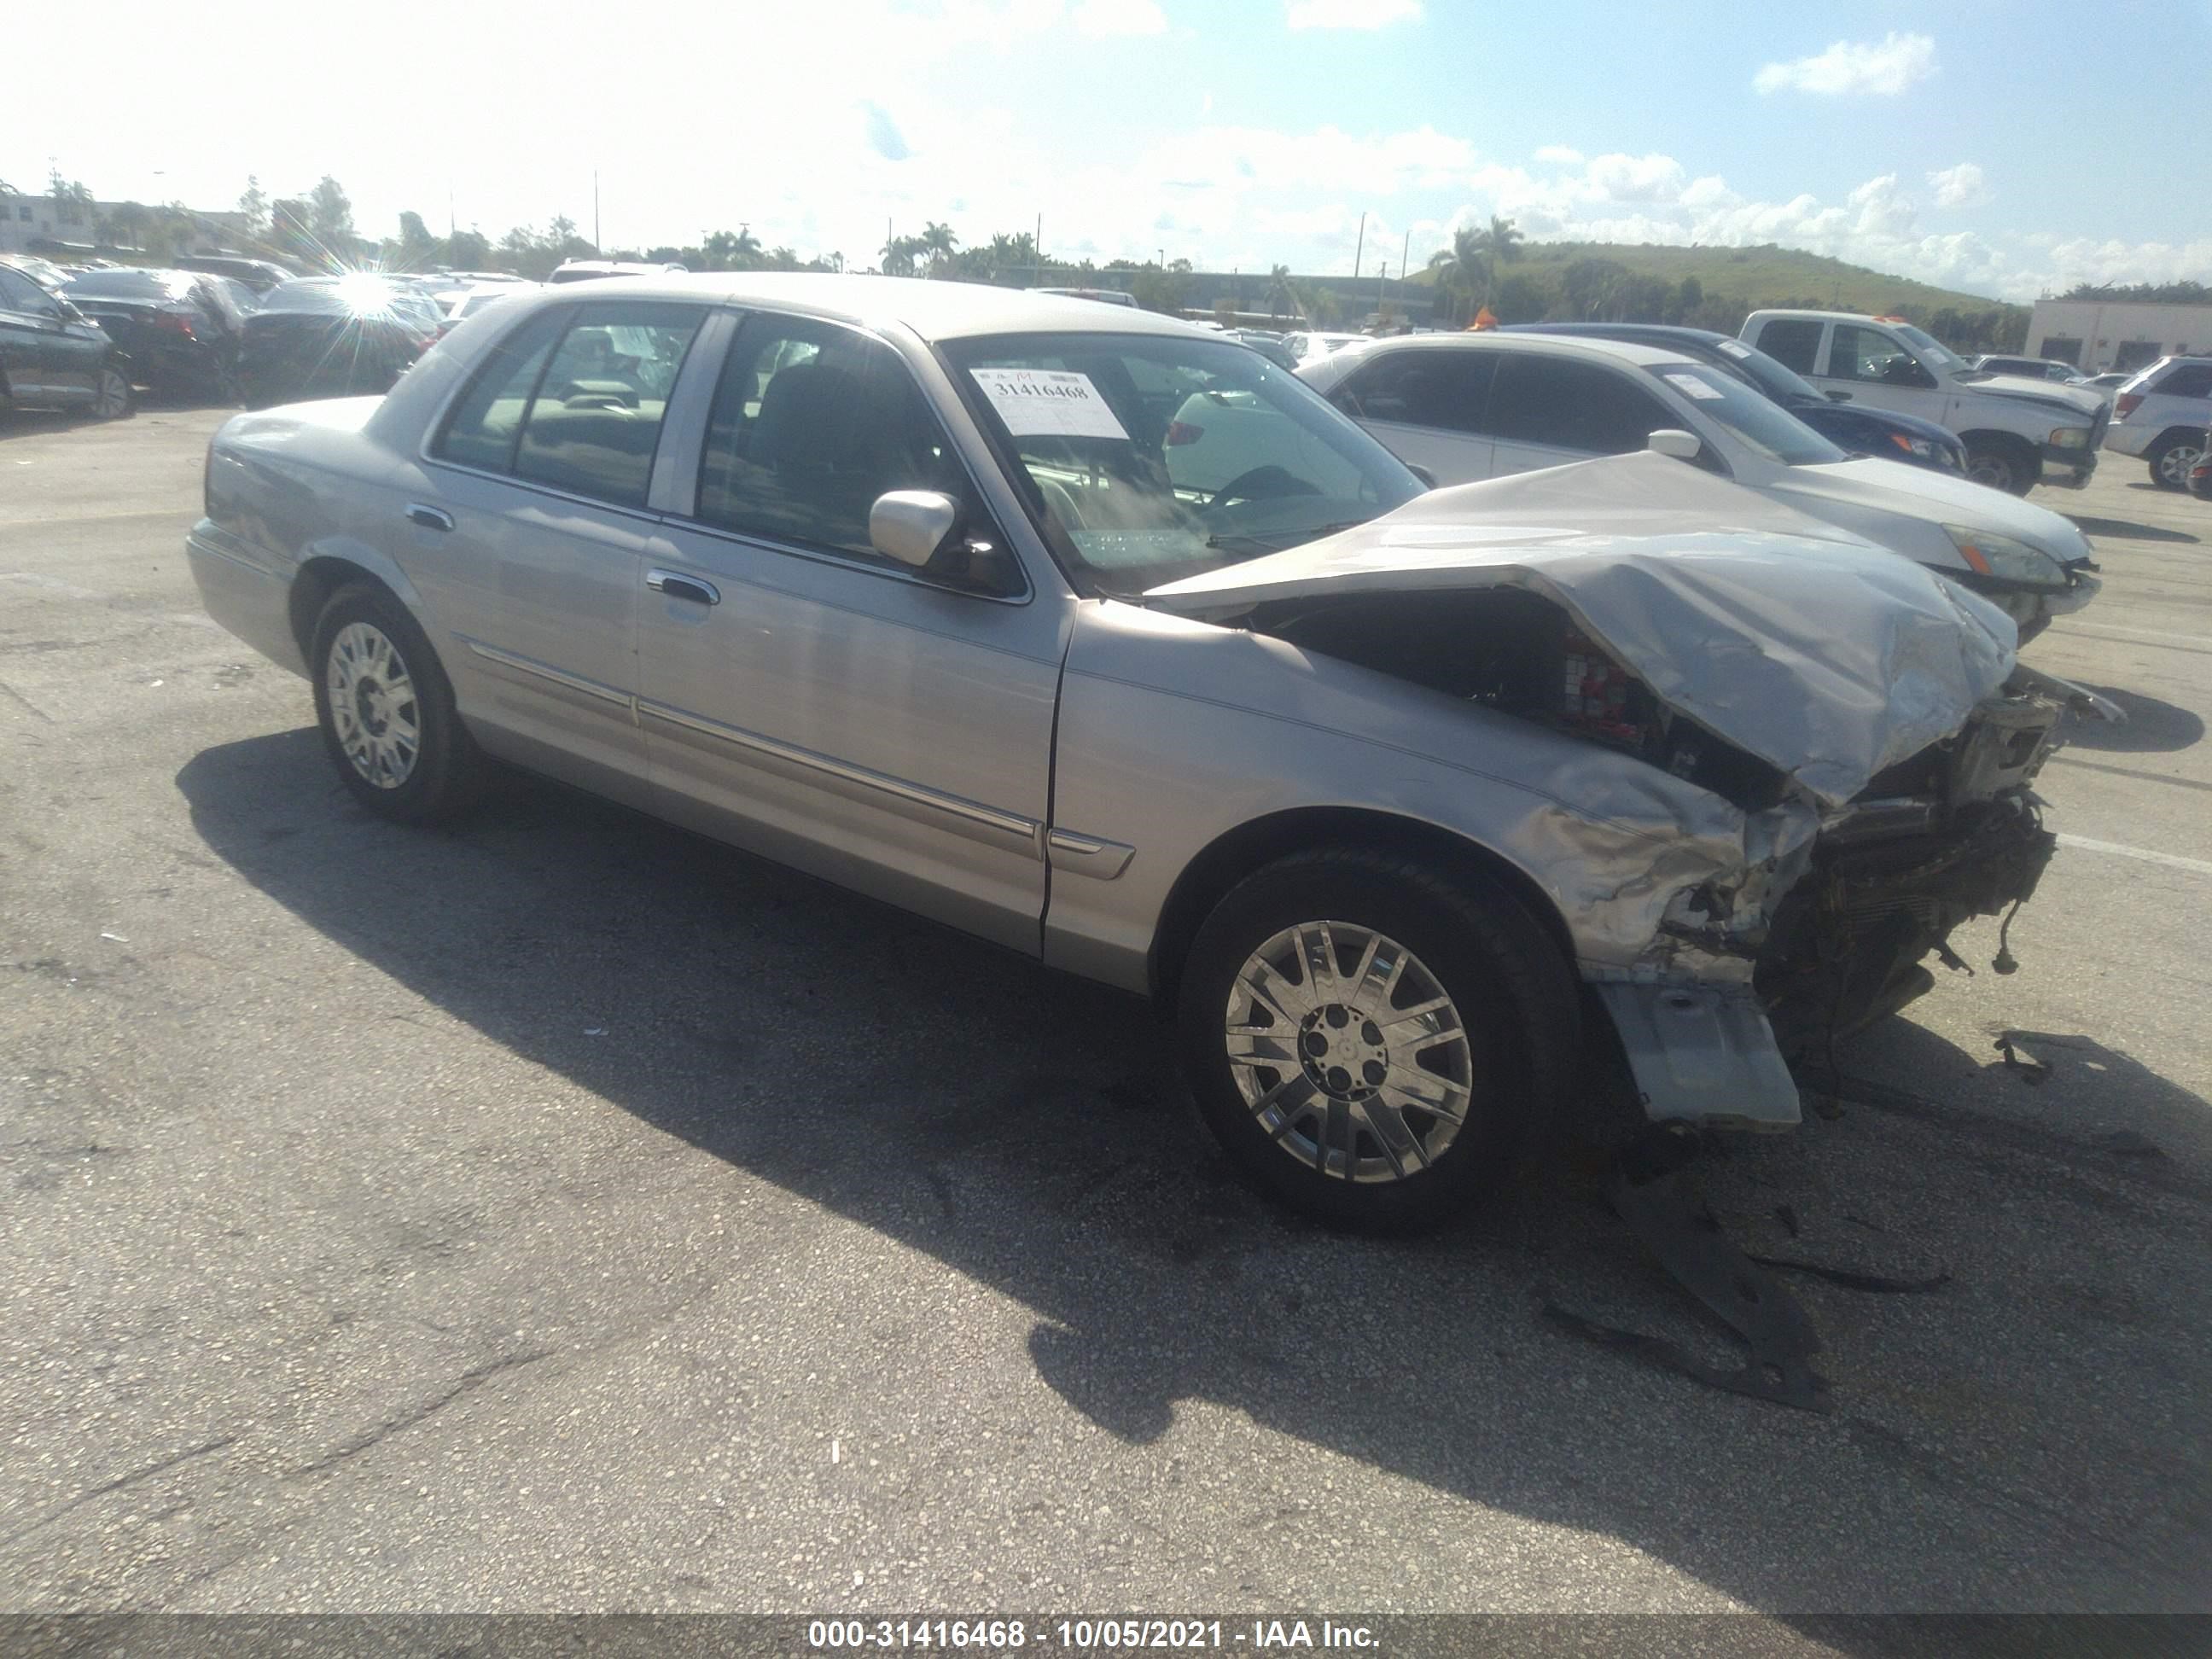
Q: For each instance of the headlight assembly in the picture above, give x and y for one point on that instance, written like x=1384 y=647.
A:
x=2006 y=558
x=2069 y=437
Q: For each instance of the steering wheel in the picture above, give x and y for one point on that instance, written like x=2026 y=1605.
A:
x=1260 y=483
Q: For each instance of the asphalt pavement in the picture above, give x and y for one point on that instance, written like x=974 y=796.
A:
x=563 y=1212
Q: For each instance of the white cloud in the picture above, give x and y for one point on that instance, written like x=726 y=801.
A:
x=1882 y=69
x=1100 y=18
x=1636 y=178
x=1958 y=186
x=1560 y=154
x=1324 y=159
x=1352 y=13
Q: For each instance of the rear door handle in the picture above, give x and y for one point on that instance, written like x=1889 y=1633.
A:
x=430 y=518
x=679 y=586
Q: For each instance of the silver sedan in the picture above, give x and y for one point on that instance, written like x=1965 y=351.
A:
x=1430 y=816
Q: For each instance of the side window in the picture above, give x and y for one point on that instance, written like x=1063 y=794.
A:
x=1866 y=354
x=483 y=428
x=2186 y=380
x=811 y=423
x=19 y=293
x=594 y=419
x=1791 y=341
x=1442 y=389
x=1564 y=404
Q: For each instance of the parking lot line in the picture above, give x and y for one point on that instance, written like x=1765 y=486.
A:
x=2172 y=861
x=2107 y=631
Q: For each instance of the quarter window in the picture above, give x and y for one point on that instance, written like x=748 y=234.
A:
x=2186 y=380
x=1559 y=403
x=809 y=424
x=1791 y=341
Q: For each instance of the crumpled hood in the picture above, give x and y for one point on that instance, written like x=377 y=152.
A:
x=1824 y=655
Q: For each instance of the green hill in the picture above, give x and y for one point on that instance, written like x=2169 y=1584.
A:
x=1714 y=288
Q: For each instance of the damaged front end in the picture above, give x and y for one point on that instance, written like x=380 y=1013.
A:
x=1858 y=732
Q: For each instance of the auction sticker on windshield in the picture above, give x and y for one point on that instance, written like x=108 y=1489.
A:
x=1048 y=403
x=1693 y=385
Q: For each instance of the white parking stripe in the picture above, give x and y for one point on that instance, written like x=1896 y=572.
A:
x=2105 y=630
x=2173 y=860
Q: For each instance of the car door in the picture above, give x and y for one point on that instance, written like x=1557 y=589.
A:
x=524 y=526
x=1546 y=409
x=804 y=695
x=30 y=325
x=1424 y=405
x=1876 y=370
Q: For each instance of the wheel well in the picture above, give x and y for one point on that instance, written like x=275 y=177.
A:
x=2193 y=434
x=313 y=584
x=1208 y=877
x=1999 y=440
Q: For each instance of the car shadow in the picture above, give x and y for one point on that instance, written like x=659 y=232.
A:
x=1027 y=1131
x=2152 y=727
x=2131 y=531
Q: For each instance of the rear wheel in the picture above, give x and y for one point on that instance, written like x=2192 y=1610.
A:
x=2172 y=456
x=2002 y=465
x=386 y=711
x=1370 y=1038
x=112 y=397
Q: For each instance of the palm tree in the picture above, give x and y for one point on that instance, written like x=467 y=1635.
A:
x=1501 y=245
x=1462 y=266
x=938 y=242
x=1281 y=296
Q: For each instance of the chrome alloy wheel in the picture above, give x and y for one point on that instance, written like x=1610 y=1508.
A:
x=373 y=705
x=113 y=398
x=2173 y=465
x=1348 y=1052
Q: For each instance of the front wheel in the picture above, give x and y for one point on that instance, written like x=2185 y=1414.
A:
x=386 y=711
x=2002 y=466
x=2170 y=461
x=1370 y=1038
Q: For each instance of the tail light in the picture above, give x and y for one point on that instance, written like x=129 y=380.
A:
x=175 y=322
x=1182 y=432
x=2126 y=405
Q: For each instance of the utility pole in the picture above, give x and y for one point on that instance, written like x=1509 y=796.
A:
x=1405 y=254
x=596 y=248
x=1379 y=281
x=1360 y=247
x=1037 y=250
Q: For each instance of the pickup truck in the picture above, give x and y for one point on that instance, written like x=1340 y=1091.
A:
x=2018 y=432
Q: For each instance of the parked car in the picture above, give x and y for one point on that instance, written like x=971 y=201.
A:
x=1272 y=347
x=890 y=581
x=1857 y=427
x=259 y=274
x=1104 y=296
x=468 y=302
x=2110 y=382
x=44 y=272
x=2033 y=369
x=333 y=337
x=2160 y=418
x=178 y=328
x=584 y=270
x=2200 y=472
x=2018 y=432
x=1469 y=406
x=53 y=356
x=1319 y=345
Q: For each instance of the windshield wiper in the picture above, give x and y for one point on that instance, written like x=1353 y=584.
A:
x=1276 y=541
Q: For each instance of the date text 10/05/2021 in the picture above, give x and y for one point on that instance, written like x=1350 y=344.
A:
x=826 y=1635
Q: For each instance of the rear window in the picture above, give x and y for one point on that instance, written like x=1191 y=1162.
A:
x=2186 y=381
x=132 y=284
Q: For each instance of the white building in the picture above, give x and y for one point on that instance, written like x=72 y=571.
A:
x=2097 y=335
x=28 y=219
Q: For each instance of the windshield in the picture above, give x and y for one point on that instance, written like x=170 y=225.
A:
x=1776 y=379
x=1932 y=352
x=1752 y=417
x=1152 y=458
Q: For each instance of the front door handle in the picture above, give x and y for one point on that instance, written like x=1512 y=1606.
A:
x=679 y=586
x=430 y=518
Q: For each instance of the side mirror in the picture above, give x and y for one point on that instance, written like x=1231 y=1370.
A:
x=909 y=526
x=1428 y=478
x=1674 y=443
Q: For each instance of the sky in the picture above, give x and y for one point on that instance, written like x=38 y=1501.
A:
x=2005 y=148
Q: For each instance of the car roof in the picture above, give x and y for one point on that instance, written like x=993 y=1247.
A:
x=933 y=310
x=1570 y=344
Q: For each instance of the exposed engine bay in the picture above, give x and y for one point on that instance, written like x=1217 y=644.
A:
x=1948 y=833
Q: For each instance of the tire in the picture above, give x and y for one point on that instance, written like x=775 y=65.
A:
x=1345 y=1152
x=417 y=763
x=2171 y=457
x=112 y=397
x=2002 y=465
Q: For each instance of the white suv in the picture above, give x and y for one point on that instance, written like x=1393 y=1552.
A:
x=2159 y=416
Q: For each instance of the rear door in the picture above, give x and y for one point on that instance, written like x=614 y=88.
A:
x=1425 y=406
x=29 y=321
x=524 y=526
x=809 y=698
x=1547 y=410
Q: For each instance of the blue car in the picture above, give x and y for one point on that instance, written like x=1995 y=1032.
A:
x=1854 y=427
